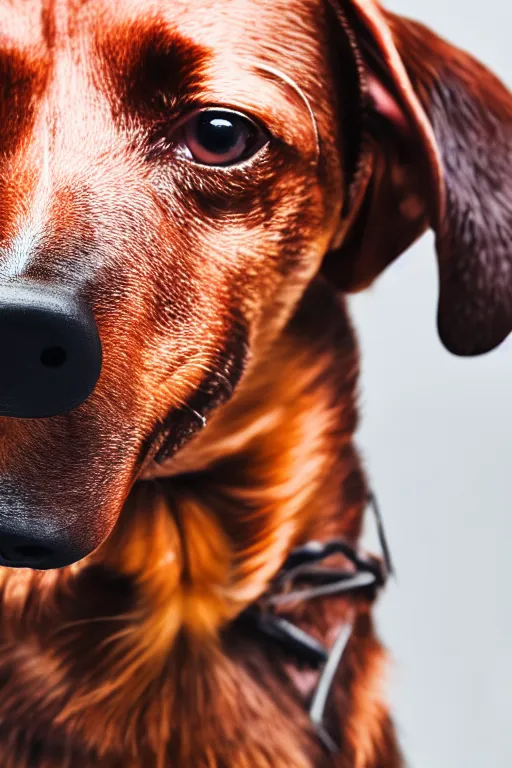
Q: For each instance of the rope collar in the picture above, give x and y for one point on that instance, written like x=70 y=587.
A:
x=303 y=577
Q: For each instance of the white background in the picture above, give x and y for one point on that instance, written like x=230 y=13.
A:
x=436 y=438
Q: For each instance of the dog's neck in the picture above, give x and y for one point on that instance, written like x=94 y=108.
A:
x=189 y=554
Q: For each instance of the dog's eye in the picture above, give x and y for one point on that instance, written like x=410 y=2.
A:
x=220 y=137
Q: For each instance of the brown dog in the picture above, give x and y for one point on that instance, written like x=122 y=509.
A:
x=209 y=177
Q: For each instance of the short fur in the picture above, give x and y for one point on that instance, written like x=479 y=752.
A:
x=220 y=433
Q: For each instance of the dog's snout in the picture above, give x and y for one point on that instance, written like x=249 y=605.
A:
x=50 y=351
x=18 y=550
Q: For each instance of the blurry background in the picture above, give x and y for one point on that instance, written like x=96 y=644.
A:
x=436 y=437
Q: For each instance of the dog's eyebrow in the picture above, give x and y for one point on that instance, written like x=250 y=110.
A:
x=23 y=76
x=292 y=85
x=147 y=63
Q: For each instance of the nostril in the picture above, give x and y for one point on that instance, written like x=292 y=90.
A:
x=53 y=357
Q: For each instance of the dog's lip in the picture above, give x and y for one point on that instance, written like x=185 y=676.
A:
x=166 y=439
x=181 y=423
x=150 y=448
x=37 y=565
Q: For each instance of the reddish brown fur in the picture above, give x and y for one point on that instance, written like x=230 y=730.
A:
x=210 y=292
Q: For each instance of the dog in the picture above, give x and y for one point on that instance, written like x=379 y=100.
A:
x=188 y=192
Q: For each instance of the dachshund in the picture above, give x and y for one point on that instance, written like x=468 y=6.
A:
x=188 y=192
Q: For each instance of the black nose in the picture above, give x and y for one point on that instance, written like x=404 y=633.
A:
x=50 y=352
x=19 y=551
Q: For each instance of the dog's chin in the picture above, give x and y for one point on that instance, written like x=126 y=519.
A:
x=41 y=529
x=44 y=526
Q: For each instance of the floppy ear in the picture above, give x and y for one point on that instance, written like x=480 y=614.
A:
x=435 y=150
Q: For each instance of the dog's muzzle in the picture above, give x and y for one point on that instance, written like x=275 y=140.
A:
x=50 y=351
x=50 y=361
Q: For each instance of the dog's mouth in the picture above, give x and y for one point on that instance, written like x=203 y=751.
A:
x=65 y=482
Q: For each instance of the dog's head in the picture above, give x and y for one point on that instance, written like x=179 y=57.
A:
x=184 y=170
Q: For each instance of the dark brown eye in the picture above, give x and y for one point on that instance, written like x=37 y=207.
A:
x=220 y=137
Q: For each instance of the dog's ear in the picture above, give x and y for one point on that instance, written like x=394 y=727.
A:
x=435 y=150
